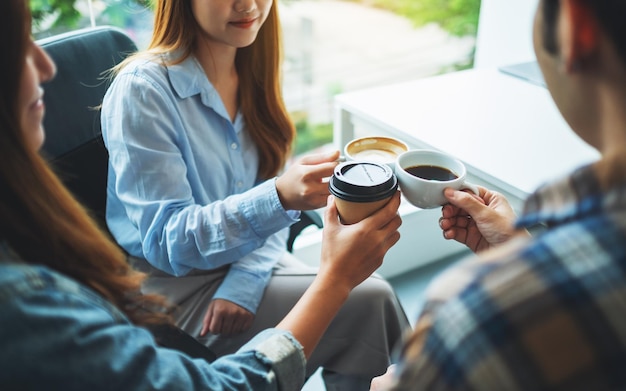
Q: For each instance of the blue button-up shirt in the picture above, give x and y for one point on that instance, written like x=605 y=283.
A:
x=56 y=334
x=183 y=191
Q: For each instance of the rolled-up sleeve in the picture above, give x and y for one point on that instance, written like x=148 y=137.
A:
x=284 y=354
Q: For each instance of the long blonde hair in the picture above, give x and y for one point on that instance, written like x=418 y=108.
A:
x=259 y=70
x=39 y=219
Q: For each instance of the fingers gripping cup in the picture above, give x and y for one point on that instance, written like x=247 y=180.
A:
x=423 y=175
x=361 y=188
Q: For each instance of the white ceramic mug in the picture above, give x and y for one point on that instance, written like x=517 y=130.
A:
x=427 y=193
x=375 y=149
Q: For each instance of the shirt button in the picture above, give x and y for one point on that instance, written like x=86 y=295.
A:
x=233 y=146
x=239 y=184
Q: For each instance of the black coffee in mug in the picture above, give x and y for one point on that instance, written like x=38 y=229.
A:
x=432 y=173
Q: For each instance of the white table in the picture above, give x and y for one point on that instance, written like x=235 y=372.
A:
x=507 y=131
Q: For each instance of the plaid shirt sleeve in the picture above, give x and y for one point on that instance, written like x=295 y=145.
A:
x=544 y=316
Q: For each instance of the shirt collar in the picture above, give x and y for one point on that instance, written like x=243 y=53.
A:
x=188 y=79
x=184 y=76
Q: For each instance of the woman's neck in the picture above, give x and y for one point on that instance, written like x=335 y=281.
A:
x=218 y=62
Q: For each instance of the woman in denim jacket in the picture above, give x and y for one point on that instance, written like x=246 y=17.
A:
x=71 y=310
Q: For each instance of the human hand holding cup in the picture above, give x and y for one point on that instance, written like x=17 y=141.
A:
x=424 y=174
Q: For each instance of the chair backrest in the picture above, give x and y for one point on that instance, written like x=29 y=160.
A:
x=74 y=143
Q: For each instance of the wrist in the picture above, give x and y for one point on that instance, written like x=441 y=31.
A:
x=281 y=197
x=327 y=285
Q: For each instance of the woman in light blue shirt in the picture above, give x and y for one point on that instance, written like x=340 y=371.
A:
x=197 y=133
x=71 y=306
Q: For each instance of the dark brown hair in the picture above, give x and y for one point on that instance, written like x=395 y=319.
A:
x=39 y=219
x=609 y=13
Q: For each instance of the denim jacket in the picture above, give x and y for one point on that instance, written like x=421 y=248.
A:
x=57 y=334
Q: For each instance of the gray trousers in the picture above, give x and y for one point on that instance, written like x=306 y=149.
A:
x=355 y=348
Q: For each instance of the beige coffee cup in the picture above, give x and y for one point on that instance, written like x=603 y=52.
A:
x=424 y=174
x=375 y=149
x=361 y=188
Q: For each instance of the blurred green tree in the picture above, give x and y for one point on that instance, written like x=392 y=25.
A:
x=57 y=13
x=458 y=17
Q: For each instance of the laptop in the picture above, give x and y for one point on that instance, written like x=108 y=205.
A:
x=528 y=71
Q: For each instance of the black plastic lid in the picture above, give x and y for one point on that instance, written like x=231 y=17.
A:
x=363 y=182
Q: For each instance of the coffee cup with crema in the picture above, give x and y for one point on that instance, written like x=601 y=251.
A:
x=361 y=188
x=375 y=149
x=424 y=174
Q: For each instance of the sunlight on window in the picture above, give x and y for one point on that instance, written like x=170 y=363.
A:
x=92 y=15
x=331 y=46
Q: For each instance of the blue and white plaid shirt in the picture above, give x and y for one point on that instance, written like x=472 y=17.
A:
x=547 y=313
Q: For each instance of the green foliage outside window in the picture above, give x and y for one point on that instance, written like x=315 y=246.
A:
x=458 y=17
x=59 y=12
x=310 y=136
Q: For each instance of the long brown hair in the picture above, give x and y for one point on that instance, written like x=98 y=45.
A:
x=39 y=219
x=260 y=95
x=259 y=70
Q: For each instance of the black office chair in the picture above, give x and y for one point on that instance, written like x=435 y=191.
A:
x=74 y=144
x=72 y=123
x=307 y=217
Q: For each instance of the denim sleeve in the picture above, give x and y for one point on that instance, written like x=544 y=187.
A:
x=276 y=347
x=67 y=338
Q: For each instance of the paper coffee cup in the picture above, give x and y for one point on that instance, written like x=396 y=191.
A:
x=361 y=188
